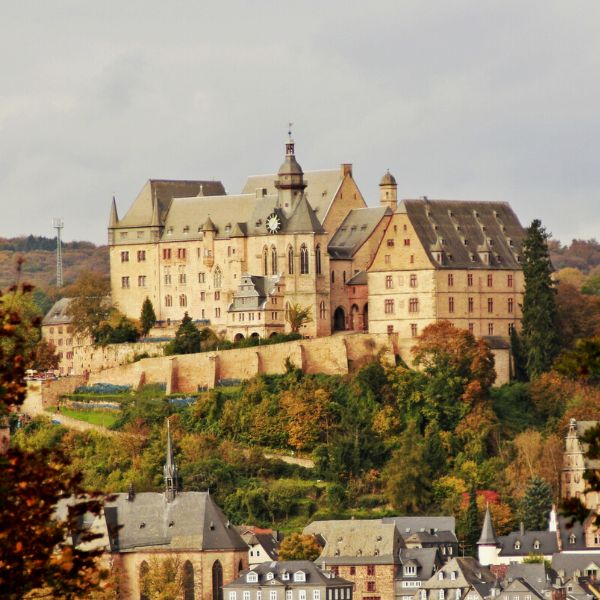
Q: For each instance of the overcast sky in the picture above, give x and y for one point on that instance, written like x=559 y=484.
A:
x=488 y=100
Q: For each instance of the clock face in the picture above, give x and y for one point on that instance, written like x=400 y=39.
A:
x=273 y=223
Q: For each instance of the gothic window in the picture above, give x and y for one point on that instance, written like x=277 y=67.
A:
x=168 y=300
x=217 y=279
x=273 y=260
x=318 y=259
x=510 y=305
x=322 y=310
x=182 y=300
x=217 y=581
x=188 y=581
x=303 y=260
x=144 y=570
x=265 y=261
x=290 y=255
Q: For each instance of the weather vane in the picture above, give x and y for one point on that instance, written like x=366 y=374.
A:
x=290 y=130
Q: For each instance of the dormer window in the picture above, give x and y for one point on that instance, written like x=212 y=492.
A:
x=285 y=576
x=300 y=576
x=441 y=576
x=572 y=539
x=410 y=570
x=269 y=576
x=517 y=545
x=252 y=577
x=186 y=229
x=536 y=545
x=453 y=575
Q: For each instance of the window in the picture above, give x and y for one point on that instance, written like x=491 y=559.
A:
x=258 y=595
x=290 y=255
x=370 y=586
x=490 y=280
x=246 y=594
x=413 y=305
x=318 y=259
x=141 y=255
x=517 y=545
x=390 y=329
x=332 y=276
x=232 y=595
x=410 y=570
x=371 y=570
x=510 y=305
x=188 y=581
x=168 y=300
x=441 y=594
x=217 y=279
x=335 y=571
x=572 y=539
x=414 y=330
x=470 y=304
x=182 y=278
x=273 y=260
x=303 y=260
x=389 y=282
x=167 y=277
x=451 y=304
x=490 y=329
x=536 y=545
x=509 y=280
x=125 y=256
x=490 y=305
x=511 y=327
x=272 y=593
x=389 y=307
x=182 y=300
x=387 y=259
x=322 y=310
x=123 y=235
x=217 y=581
x=471 y=327
x=407 y=242
x=316 y=594
x=412 y=258
x=181 y=252
x=453 y=575
x=167 y=253
x=201 y=277
x=217 y=312
x=288 y=594
x=202 y=296
x=141 y=281
x=124 y=282
x=470 y=279
x=352 y=571
x=344 y=276
x=301 y=594
x=413 y=280
x=440 y=575
x=217 y=295
x=450 y=279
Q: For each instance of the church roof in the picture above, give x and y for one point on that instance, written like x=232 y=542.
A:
x=488 y=535
x=321 y=188
x=354 y=231
x=303 y=219
x=461 y=226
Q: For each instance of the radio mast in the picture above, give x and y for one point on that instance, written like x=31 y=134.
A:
x=58 y=224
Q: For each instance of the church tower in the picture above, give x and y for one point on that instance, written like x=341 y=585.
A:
x=487 y=545
x=290 y=180
x=388 y=191
x=170 y=471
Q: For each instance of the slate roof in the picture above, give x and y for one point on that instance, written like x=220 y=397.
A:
x=566 y=564
x=468 y=570
x=427 y=561
x=520 y=585
x=314 y=575
x=566 y=529
x=488 y=535
x=438 y=537
x=357 y=541
x=480 y=223
x=57 y=315
x=191 y=521
x=548 y=543
x=535 y=574
x=321 y=188
x=269 y=544
x=253 y=291
x=354 y=231
x=407 y=525
x=361 y=278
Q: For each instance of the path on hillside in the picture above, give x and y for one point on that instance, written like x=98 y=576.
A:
x=292 y=460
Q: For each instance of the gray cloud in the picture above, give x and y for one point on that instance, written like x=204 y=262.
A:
x=460 y=99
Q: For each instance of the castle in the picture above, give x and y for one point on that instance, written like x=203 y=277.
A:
x=238 y=263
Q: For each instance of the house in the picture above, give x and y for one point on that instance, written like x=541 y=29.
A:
x=569 y=565
x=428 y=532
x=520 y=589
x=416 y=565
x=263 y=544
x=288 y=580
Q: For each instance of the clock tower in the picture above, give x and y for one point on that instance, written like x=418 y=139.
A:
x=290 y=180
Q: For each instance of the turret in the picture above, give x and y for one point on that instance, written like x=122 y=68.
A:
x=487 y=545
x=290 y=179
x=113 y=221
x=170 y=471
x=388 y=191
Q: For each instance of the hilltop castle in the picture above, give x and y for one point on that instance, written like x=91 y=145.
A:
x=238 y=262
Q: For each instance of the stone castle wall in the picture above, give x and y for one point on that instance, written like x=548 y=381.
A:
x=91 y=359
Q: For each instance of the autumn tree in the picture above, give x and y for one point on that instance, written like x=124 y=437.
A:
x=578 y=314
x=306 y=410
x=163 y=579
x=90 y=303
x=147 y=317
x=44 y=356
x=582 y=362
x=297 y=316
x=540 y=321
x=298 y=546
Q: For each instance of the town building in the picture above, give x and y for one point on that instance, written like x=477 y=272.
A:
x=416 y=566
x=238 y=262
x=428 y=532
x=263 y=544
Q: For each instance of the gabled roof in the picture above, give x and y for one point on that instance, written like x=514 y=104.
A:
x=57 y=315
x=354 y=231
x=536 y=575
x=548 y=543
x=426 y=559
x=520 y=585
x=407 y=525
x=269 y=544
x=321 y=188
x=303 y=219
x=566 y=564
x=361 y=278
x=454 y=221
x=467 y=572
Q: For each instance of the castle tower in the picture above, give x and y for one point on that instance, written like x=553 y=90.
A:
x=170 y=471
x=487 y=545
x=388 y=191
x=290 y=179
x=113 y=222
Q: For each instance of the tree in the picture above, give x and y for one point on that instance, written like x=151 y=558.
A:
x=297 y=316
x=34 y=549
x=591 y=285
x=471 y=528
x=540 y=322
x=299 y=546
x=163 y=579
x=535 y=506
x=44 y=356
x=119 y=330
x=579 y=315
x=90 y=305
x=518 y=354
x=583 y=362
x=187 y=338
x=148 y=316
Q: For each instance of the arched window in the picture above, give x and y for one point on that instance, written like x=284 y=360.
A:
x=318 y=259
x=168 y=300
x=287 y=311
x=144 y=570
x=265 y=261
x=273 y=260
x=240 y=566
x=188 y=581
x=303 y=260
x=217 y=279
x=344 y=276
x=217 y=581
x=182 y=300
x=322 y=310
x=332 y=276
x=290 y=254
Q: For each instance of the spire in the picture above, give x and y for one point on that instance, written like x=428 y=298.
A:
x=114 y=217
x=155 y=215
x=170 y=469
x=488 y=535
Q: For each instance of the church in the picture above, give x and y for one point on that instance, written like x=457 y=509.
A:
x=237 y=263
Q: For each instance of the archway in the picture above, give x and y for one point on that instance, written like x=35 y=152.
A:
x=238 y=337
x=217 y=581
x=355 y=323
x=255 y=335
x=366 y=317
x=273 y=334
x=339 y=319
x=188 y=581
